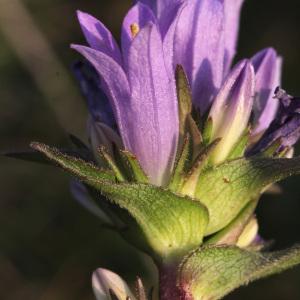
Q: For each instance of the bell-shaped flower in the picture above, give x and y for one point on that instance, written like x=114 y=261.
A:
x=199 y=48
x=231 y=109
x=201 y=36
x=141 y=92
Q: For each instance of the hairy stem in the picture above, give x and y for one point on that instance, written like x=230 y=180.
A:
x=168 y=289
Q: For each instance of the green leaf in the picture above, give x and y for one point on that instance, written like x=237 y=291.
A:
x=171 y=224
x=227 y=188
x=210 y=273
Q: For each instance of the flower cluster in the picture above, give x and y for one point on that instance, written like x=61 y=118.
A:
x=184 y=142
x=139 y=81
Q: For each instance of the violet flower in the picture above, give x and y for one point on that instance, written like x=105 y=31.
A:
x=157 y=36
x=203 y=35
x=141 y=92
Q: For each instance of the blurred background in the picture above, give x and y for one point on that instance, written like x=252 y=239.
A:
x=49 y=245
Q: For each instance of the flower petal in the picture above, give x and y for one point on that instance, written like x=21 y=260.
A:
x=169 y=42
x=232 y=10
x=104 y=281
x=231 y=109
x=267 y=67
x=98 y=36
x=200 y=48
x=155 y=129
x=139 y=15
x=285 y=128
x=116 y=85
x=165 y=11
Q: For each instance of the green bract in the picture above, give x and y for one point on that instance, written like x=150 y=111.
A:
x=211 y=273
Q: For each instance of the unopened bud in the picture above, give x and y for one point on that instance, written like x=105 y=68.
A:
x=231 y=109
x=106 y=282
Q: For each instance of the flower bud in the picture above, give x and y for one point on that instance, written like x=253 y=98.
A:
x=267 y=67
x=231 y=109
x=106 y=283
x=249 y=234
x=101 y=134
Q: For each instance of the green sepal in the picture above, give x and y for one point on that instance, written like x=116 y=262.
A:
x=187 y=125
x=181 y=165
x=191 y=178
x=227 y=188
x=111 y=163
x=207 y=131
x=210 y=273
x=184 y=97
x=196 y=137
x=271 y=150
x=134 y=169
x=240 y=147
x=172 y=225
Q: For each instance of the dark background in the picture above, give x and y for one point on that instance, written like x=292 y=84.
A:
x=49 y=245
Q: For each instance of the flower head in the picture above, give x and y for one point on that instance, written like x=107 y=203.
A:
x=168 y=110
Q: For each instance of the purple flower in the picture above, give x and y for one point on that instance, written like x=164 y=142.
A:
x=139 y=81
x=202 y=38
x=141 y=91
